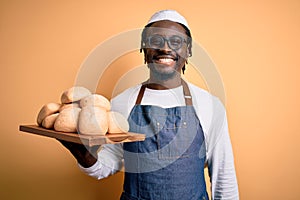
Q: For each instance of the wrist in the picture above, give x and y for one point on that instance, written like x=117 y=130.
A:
x=87 y=160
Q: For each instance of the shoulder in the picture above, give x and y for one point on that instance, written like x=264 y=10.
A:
x=202 y=97
x=207 y=106
x=124 y=101
x=128 y=93
x=195 y=90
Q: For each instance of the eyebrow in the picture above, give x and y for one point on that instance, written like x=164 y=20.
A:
x=180 y=35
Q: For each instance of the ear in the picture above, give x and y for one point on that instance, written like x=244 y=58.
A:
x=189 y=50
x=145 y=56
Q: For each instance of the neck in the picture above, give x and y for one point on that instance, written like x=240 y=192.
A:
x=159 y=84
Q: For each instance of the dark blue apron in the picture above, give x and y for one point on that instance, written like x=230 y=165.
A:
x=169 y=164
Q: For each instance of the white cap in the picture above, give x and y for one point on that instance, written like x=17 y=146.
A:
x=170 y=15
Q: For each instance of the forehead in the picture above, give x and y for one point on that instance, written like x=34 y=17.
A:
x=166 y=27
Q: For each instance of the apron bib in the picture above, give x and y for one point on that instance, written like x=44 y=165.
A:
x=169 y=164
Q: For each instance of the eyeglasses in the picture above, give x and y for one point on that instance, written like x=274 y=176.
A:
x=175 y=42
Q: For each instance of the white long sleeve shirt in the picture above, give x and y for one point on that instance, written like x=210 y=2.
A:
x=212 y=116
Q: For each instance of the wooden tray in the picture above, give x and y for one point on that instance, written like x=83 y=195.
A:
x=84 y=139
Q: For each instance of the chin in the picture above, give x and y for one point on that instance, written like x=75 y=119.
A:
x=162 y=72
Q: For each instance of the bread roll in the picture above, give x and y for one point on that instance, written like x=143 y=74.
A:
x=68 y=105
x=47 y=110
x=117 y=123
x=95 y=100
x=67 y=120
x=74 y=94
x=49 y=121
x=92 y=121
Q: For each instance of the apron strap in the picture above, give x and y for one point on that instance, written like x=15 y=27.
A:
x=186 y=93
x=141 y=94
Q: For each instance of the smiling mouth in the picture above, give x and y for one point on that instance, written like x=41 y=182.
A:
x=166 y=60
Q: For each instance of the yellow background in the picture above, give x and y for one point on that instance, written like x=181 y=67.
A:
x=254 y=44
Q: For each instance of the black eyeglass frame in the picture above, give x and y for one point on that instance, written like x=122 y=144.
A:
x=164 y=39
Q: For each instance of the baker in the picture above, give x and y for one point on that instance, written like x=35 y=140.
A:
x=185 y=127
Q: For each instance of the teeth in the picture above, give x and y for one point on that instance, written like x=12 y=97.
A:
x=166 y=60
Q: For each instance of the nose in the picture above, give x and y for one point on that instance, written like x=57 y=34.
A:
x=166 y=46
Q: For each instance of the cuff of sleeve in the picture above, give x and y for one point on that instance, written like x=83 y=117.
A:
x=90 y=169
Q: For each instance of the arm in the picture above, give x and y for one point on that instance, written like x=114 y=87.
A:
x=85 y=156
x=220 y=157
x=98 y=162
x=108 y=159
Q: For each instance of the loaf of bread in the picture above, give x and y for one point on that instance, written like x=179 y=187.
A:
x=67 y=120
x=83 y=112
x=117 y=123
x=46 y=110
x=74 y=94
x=92 y=121
x=68 y=105
x=95 y=100
x=49 y=121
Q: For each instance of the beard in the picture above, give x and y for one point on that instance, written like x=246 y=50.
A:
x=159 y=72
x=164 y=65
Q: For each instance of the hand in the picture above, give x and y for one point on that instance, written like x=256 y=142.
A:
x=86 y=156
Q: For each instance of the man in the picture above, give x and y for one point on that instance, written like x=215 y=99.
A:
x=185 y=127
